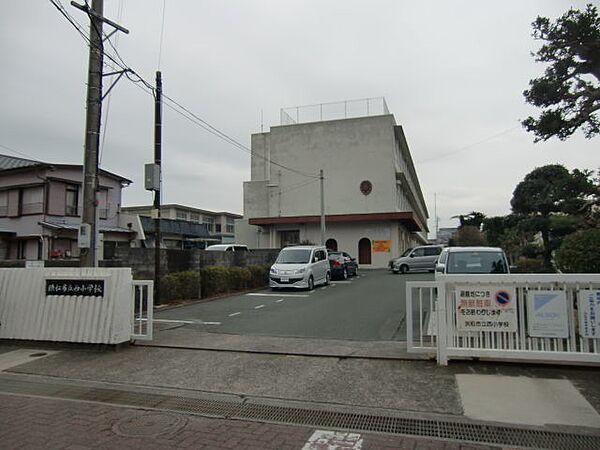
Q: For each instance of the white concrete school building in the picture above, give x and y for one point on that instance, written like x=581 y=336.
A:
x=374 y=206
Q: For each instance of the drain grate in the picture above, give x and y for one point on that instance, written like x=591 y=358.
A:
x=249 y=410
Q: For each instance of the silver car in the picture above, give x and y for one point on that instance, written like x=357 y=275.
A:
x=418 y=259
x=302 y=266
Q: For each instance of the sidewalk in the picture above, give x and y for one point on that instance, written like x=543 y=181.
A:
x=287 y=398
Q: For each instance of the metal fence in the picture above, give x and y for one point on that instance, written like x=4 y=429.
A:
x=345 y=109
x=142 y=306
x=546 y=317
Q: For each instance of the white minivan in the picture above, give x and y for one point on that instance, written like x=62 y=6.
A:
x=302 y=266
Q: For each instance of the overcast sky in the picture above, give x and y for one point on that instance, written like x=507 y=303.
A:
x=452 y=73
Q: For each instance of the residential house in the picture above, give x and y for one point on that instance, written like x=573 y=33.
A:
x=41 y=205
x=374 y=207
x=217 y=227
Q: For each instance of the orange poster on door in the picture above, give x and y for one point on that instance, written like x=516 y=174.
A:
x=381 y=246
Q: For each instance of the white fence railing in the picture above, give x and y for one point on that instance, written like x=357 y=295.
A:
x=142 y=307
x=547 y=317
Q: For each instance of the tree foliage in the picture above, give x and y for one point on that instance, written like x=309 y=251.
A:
x=569 y=90
x=473 y=219
x=580 y=252
x=553 y=202
x=469 y=236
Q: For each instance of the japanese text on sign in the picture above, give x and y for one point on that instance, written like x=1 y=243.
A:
x=488 y=308
x=589 y=313
x=83 y=288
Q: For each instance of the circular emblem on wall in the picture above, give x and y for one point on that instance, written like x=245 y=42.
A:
x=366 y=187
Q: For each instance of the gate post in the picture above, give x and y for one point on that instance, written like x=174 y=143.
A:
x=442 y=325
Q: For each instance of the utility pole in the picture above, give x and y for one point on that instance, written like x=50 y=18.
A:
x=157 y=161
x=321 y=178
x=92 y=135
x=88 y=232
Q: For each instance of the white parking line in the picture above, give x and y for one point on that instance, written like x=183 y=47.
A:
x=187 y=322
x=235 y=314
x=259 y=306
x=258 y=294
x=342 y=282
x=279 y=301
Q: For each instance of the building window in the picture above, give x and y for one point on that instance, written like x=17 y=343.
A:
x=290 y=237
x=217 y=227
x=3 y=203
x=103 y=204
x=72 y=200
x=195 y=217
x=229 y=226
x=181 y=215
x=210 y=223
x=32 y=200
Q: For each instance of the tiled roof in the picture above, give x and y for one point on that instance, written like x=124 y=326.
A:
x=182 y=227
x=74 y=226
x=12 y=162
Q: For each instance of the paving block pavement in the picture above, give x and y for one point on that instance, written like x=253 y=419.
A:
x=30 y=422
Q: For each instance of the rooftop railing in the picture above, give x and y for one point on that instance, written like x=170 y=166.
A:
x=345 y=109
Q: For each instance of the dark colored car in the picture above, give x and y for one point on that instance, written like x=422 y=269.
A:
x=342 y=265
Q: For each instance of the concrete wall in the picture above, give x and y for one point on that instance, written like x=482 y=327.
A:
x=141 y=260
x=349 y=151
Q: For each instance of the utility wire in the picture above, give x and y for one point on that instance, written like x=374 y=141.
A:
x=107 y=109
x=467 y=147
x=21 y=153
x=185 y=112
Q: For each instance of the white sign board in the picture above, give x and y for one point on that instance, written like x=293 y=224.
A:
x=547 y=314
x=486 y=308
x=589 y=308
x=34 y=264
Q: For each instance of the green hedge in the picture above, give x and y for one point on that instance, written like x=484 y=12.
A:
x=580 y=252
x=211 y=281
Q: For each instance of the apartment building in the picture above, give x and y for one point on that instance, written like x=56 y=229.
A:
x=219 y=225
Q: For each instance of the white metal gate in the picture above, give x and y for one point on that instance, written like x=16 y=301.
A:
x=433 y=311
x=142 y=306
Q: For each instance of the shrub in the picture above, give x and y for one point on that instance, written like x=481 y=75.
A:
x=259 y=275
x=580 y=252
x=180 y=286
x=530 y=265
x=239 y=278
x=211 y=281
x=215 y=280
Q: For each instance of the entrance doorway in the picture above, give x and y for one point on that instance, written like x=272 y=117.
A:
x=331 y=244
x=364 y=251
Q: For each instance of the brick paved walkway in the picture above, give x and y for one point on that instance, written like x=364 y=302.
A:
x=41 y=423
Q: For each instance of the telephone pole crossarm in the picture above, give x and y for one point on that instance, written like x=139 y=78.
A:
x=94 y=14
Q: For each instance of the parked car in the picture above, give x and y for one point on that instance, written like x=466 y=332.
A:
x=342 y=265
x=227 y=248
x=302 y=266
x=464 y=260
x=418 y=259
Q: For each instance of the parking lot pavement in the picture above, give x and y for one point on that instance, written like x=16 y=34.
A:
x=43 y=423
x=370 y=307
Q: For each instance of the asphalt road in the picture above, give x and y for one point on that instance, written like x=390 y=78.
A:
x=368 y=307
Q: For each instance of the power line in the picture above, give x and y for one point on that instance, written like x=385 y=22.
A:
x=185 y=112
x=467 y=147
x=20 y=153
